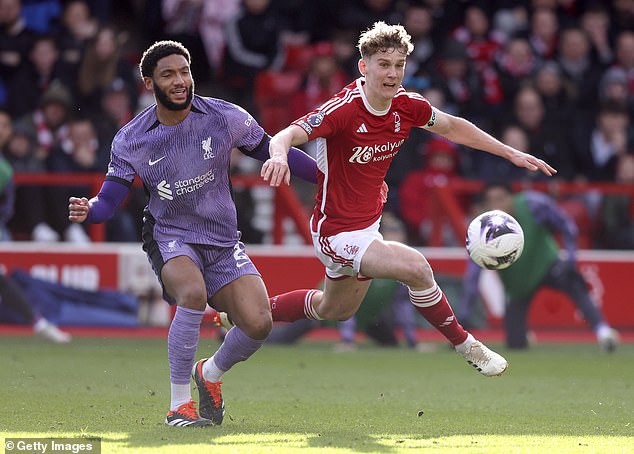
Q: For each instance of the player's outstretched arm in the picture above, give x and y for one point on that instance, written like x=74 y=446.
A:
x=275 y=170
x=300 y=164
x=464 y=132
x=101 y=207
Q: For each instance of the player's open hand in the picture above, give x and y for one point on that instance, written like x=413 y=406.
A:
x=78 y=209
x=275 y=170
x=532 y=163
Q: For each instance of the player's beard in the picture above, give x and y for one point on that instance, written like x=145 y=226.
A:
x=161 y=97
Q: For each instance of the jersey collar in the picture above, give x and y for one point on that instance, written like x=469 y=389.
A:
x=372 y=110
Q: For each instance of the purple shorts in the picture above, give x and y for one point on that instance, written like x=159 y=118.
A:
x=218 y=265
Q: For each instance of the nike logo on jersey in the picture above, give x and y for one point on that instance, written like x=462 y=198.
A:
x=362 y=128
x=150 y=162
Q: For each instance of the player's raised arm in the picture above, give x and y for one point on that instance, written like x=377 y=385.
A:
x=464 y=132
x=275 y=170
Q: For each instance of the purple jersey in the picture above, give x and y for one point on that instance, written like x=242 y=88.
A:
x=185 y=169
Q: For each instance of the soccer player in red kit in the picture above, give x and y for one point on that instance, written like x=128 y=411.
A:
x=358 y=132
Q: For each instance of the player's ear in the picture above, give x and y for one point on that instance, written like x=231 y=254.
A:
x=148 y=82
x=362 y=66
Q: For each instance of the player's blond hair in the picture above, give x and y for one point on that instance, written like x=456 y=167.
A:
x=382 y=37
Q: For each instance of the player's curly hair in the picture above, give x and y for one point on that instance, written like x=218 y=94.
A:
x=158 y=50
x=382 y=37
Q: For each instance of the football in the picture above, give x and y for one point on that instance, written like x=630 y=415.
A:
x=495 y=240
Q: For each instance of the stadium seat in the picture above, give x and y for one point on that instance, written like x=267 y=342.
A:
x=273 y=95
x=297 y=57
x=579 y=213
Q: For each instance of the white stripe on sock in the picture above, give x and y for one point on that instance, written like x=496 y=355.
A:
x=425 y=298
x=309 y=310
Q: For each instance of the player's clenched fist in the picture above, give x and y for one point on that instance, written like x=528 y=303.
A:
x=78 y=209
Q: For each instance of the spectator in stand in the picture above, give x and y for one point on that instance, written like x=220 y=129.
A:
x=490 y=169
x=200 y=26
x=614 y=87
x=447 y=15
x=625 y=56
x=80 y=152
x=77 y=28
x=555 y=92
x=481 y=41
x=359 y=15
x=41 y=68
x=19 y=146
x=345 y=51
x=516 y=64
x=546 y=139
x=213 y=23
x=578 y=67
x=617 y=210
x=512 y=18
x=322 y=79
x=595 y=21
x=419 y=24
x=598 y=147
x=101 y=64
x=253 y=44
x=460 y=84
x=441 y=165
x=48 y=123
x=482 y=44
x=622 y=15
x=543 y=36
x=16 y=39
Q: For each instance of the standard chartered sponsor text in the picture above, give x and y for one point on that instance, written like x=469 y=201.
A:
x=193 y=184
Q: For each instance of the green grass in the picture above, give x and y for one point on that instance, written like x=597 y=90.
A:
x=553 y=398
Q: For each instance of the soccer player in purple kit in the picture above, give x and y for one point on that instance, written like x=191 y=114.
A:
x=180 y=148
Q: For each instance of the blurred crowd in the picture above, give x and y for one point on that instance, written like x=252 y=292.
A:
x=552 y=77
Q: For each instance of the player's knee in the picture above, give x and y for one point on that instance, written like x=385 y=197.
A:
x=192 y=297
x=259 y=327
x=418 y=274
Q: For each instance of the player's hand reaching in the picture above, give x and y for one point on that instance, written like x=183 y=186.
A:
x=530 y=162
x=275 y=170
x=78 y=209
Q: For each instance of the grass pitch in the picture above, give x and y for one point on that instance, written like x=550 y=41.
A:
x=553 y=398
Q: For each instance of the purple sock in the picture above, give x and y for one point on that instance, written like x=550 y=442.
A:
x=347 y=330
x=236 y=347
x=182 y=342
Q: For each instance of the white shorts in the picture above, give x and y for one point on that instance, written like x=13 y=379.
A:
x=341 y=254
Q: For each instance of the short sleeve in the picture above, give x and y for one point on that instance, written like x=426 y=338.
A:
x=321 y=122
x=424 y=113
x=245 y=130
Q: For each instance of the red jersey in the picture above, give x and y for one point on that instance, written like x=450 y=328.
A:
x=355 y=146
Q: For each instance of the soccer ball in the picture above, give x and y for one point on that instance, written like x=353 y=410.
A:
x=495 y=240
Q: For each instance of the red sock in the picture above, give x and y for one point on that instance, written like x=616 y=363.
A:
x=434 y=307
x=292 y=306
